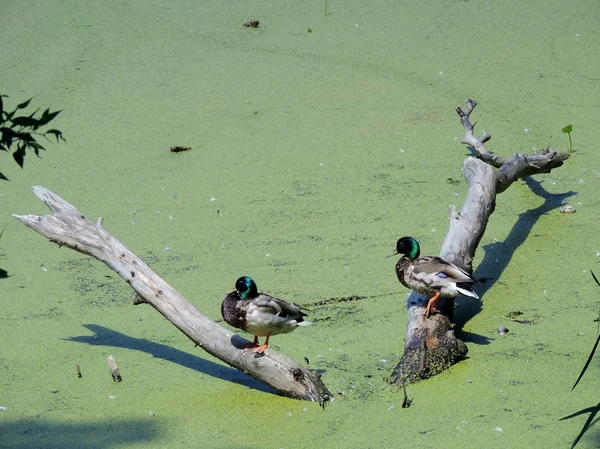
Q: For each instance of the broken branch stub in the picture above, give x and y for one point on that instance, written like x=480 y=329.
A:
x=66 y=226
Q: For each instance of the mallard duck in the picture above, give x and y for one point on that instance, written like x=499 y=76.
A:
x=430 y=275
x=260 y=314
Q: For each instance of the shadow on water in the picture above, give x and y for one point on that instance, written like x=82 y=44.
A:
x=3 y=273
x=498 y=255
x=50 y=434
x=108 y=337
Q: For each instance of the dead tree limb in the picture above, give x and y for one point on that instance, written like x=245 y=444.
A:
x=68 y=227
x=430 y=344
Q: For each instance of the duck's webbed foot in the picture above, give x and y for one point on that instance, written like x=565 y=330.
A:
x=432 y=304
x=261 y=348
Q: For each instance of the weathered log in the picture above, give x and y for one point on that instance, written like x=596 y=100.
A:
x=430 y=344
x=68 y=227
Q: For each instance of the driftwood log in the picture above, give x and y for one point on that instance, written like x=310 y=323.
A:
x=430 y=345
x=68 y=227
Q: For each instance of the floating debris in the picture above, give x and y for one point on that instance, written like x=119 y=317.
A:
x=254 y=23
x=78 y=369
x=114 y=369
x=179 y=149
x=502 y=330
x=567 y=209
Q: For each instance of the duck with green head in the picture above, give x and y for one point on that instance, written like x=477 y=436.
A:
x=431 y=275
x=260 y=314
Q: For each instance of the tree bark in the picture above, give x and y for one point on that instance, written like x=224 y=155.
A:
x=430 y=344
x=68 y=227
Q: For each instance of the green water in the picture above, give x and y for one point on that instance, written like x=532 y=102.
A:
x=319 y=149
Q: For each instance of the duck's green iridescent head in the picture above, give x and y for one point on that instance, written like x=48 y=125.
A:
x=409 y=247
x=246 y=287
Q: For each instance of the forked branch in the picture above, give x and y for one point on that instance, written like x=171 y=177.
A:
x=430 y=345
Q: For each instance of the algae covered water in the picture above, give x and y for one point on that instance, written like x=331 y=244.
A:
x=311 y=154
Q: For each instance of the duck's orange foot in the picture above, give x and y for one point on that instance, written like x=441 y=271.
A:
x=260 y=349
x=432 y=304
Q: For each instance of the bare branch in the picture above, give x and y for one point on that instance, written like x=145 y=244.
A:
x=67 y=226
x=511 y=169
x=430 y=343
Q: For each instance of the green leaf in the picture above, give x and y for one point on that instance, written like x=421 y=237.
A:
x=34 y=144
x=19 y=155
x=47 y=117
x=26 y=137
x=25 y=121
x=36 y=147
x=593 y=411
x=595 y=278
x=7 y=136
x=58 y=134
x=585 y=367
x=567 y=129
x=9 y=116
x=24 y=104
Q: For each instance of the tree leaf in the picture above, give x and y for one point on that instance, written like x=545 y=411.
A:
x=26 y=137
x=36 y=147
x=58 y=134
x=34 y=144
x=7 y=136
x=25 y=121
x=9 y=116
x=47 y=117
x=567 y=129
x=24 y=104
x=19 y=156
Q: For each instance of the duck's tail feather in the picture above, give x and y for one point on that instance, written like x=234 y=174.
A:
x=466 y=292
x=304 y=323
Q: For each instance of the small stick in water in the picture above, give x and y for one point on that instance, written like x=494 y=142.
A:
x=114 y=369
x=78 y=371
